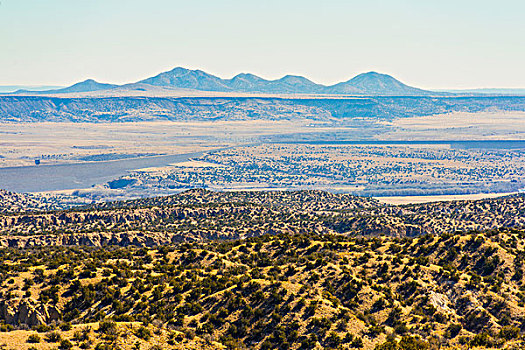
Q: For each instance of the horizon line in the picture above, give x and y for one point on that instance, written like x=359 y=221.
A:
x=81 y=80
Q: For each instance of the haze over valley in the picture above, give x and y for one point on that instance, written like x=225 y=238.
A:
x=128 y=137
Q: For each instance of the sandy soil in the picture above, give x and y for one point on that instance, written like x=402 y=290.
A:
x=441 y=198
x=52 y=143
x=459 y=126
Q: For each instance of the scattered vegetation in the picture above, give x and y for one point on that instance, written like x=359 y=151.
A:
x=277 y=292
x=199 y=215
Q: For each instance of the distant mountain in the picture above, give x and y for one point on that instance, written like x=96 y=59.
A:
x=371 y=84
x=297 y=84
x=84 y=86
x=13 y=88
x=188 y=79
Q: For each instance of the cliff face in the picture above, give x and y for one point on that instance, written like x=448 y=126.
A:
x=130 y=109
x=27 y=311
x=95 y=239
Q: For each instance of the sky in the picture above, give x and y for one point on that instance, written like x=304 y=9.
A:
x=426 y=43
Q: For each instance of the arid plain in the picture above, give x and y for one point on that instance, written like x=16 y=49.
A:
x=278 y=154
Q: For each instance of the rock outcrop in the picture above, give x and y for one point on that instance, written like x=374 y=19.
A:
x=27 y=312
x=95 y=239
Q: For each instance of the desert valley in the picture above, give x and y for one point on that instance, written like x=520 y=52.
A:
x=186 y=211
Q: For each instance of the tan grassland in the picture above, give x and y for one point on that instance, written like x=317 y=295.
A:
x=21 y=143
x=459 y=126
x=399 y=200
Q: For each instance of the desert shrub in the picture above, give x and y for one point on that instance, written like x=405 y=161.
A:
x=453 y=330
x=509 y=332
x=85 y=345
x=66 y=326
x=104 y=346
x=53 y=337
x=42 y=328
x=413 y=343
x=107 y=327
x=143 y=333
x=82 y=335
x=375 y=330
x=33 y=338
x=333 y=340
x=189 y=334
x=481 y=339
x=65 y=344
x=406 y=343
x=379 y=304
x=357 y=342
x=6 y=327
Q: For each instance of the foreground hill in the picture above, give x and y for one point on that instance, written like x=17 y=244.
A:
x=271 y=292
x=200 y=215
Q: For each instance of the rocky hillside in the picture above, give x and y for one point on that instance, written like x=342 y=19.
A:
x=270 y=292
x=12 y=202
x=199 y=215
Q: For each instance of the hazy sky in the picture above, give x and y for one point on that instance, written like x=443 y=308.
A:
x=427 y=43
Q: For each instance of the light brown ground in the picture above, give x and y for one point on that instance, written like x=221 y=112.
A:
x=21 y=143
x=459 y=126
x=397 y=200
x=17 y=340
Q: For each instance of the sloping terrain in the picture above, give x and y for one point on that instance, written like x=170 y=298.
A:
x=200 y=215
x=12 y=202
x=270 y=292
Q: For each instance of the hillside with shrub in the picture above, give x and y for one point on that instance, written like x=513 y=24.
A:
x=272 y=292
